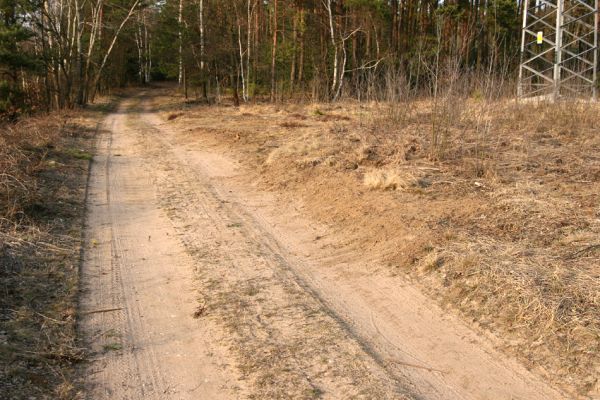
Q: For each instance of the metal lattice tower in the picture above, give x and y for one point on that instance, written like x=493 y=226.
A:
x=559 y=49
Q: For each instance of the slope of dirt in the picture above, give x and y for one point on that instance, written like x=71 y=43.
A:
x=501 y=223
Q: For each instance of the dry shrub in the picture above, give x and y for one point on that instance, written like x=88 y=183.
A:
x=388 y=179
x=23 y=149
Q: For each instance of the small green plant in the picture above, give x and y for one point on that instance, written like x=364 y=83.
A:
x=79 y=154
x=112 y=347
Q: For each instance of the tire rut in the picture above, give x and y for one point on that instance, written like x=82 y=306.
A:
x=258 y=296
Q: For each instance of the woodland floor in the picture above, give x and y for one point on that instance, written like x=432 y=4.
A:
x=324 y=251
x=44 y=163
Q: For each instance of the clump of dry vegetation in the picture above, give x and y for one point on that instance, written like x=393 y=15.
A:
x=387 y=179
x=497 y=214
x=43 y=168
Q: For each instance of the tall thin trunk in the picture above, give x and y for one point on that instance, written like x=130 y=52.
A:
x=48 y=65
x=343 y=67
x=301 y=55
x=274 y=51
x=80 y=65
x=180 y=41
x=294 y=44
x=241 y=62
x=201 y=28
x=94 y=35
x=248 y=35
x=139 y=41
x=147 y=57
x=334 y=81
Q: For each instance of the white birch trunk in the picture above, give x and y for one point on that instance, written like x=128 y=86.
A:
x=335 y=48
x=201 y=26
x=242 y=62
x=180 y=38
x=111 y=46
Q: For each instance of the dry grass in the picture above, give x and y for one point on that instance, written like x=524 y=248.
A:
x=531 y=176
x=43 y=169
x=501 y=219
x=388 y=179
x=521 y=258
x=309 y=151
x=292 y=124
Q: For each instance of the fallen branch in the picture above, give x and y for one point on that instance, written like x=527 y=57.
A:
x=584 y=250
x=102 y=310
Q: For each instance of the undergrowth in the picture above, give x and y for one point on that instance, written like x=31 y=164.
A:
x=43 y=168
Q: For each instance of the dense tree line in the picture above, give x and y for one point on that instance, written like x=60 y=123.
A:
x=60 y=53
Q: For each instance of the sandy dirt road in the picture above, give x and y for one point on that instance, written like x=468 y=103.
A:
x=198 y=285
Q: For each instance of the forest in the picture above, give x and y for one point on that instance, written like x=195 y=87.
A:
x=57 y=54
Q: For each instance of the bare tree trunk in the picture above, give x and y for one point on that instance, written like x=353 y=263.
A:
x=294 y=44
x=201 y=29
x=47 y=77
x=203 y=76
x=111 y=46
x=139 y=41
x=147 y=58
x=241 y=61
x=95 y=33
x=301 y=56
x=80 y=66
x=343 y=67
x=55 y=66
x=180 y=40
x=335 y=48
x=249 y=12
x=274 y=51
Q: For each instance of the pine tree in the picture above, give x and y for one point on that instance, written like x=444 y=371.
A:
x=15 y=55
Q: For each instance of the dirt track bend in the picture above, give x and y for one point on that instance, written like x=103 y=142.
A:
x=197 y=285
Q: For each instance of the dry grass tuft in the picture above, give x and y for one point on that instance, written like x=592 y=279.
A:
x=388 y=179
